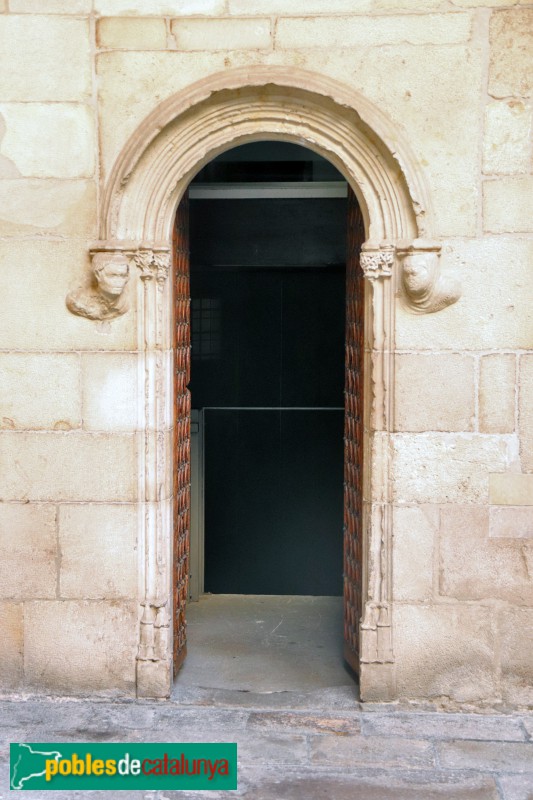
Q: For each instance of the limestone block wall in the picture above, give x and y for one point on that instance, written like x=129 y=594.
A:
x=455 y=78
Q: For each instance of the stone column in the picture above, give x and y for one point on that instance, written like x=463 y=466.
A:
x=377 y=661
x=154 y=666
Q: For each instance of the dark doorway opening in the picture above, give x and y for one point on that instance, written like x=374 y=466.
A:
x=268 y=256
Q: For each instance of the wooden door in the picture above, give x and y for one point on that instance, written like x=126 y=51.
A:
x=353 y=434
x=182 y=428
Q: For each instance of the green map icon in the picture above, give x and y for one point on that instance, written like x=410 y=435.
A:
x=28 y=763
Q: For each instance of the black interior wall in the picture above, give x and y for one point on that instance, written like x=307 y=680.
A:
x=267 y=288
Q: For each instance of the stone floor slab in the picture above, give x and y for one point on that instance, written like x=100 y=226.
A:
x=352 y=751
x=365 y=785
x=487 y=756
x=310 y=722
x=527 y=722
x=516 y=787
x=444 y=726
x=334 y=698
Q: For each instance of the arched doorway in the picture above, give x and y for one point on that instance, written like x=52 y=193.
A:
x=276 y=295
x=136 y=220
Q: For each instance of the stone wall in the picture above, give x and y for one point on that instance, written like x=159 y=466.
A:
x=455 y=78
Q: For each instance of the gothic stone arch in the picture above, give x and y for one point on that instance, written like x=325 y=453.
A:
x=136 y=219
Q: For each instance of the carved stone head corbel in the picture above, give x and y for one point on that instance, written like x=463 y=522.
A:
x=105 y=298
x=425 y=289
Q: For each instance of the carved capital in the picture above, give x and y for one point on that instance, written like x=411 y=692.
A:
x=425 y=289
x=105 y=295
x=377 y=262
x=152 y=264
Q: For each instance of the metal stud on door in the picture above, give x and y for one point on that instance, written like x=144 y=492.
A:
x=182 y=428
x=353 y=434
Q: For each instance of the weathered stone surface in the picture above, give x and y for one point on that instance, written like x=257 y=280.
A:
x=354 y=31
x=525 y=411
x=511 y=522
x=56 y=404
x=473 y=567
x=98 y=551
x=32 y=205
x=222 y=34
x=294 y=7
x=51 y=6
x=486 y=3
x=516 y=787
x=448 y=468
x=153 y=678
x=497 y=393
x=28 y=551
x=68 y=466
x=171 y=717
x=74 y=646
x=49 y=141
x=417 y=88
x=506 y=143
x=11 y=652
x=372 y=751
x=527 y=722
x=511 y=489
x=496 y=308
x=362 y=785
x=113 y=7
x=71 y=716
x=383 y=789
x=434 y=392
x=302 y=722
x=200 y=7
x=110 y=391
x=36 y=294
x=511 y=53
x=514 y=756
x=51 y=43
x=132 y=83
x=273 y=748
x=415 y=530
x=132 y=33
x=338 y=699
x=445 y=652
x=508 y=204
x=516 y=631
x=409 y=724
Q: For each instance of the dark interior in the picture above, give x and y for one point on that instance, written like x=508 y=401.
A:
x=267 y=289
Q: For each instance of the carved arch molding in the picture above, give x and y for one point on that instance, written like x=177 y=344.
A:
x=400 y=259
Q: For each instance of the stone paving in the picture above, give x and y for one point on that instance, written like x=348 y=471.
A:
x=299 y=746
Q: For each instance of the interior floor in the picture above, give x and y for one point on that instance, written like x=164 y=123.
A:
x=264 y=643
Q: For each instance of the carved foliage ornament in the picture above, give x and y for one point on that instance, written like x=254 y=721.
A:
x=377 y=263
x=106 y=297
x=152 y=264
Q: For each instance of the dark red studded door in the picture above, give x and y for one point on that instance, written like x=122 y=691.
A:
x=353 y=434
x=182 y=428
